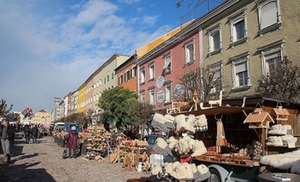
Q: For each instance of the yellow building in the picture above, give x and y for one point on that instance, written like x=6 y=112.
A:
x=81 y=98
x=41 y=117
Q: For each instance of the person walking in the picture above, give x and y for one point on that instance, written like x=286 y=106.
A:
x=27 y=132
x=7 y=134
x=71 y=139
x=34 y=133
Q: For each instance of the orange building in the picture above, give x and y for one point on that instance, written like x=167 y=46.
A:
x=126 y=74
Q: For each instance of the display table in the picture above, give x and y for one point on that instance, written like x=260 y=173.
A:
x=268 y=177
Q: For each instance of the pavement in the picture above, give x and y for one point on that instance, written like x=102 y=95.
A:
x=43 y=162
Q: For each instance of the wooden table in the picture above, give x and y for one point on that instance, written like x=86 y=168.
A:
x=267 y=177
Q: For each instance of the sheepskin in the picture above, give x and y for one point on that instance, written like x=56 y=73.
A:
x=279 y=129
x=180 y=121
x=190 y=123
x=281 y=161
x=155 y=169
x=199 y=149
x=201 y=120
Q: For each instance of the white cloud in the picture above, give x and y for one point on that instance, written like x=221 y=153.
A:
x=51 y=51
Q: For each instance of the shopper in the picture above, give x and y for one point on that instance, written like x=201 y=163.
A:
x=27 y=132
x=34 y=133
x=7 y=134
x=71 y=139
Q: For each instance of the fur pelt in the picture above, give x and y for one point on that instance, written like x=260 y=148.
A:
x=281 y=161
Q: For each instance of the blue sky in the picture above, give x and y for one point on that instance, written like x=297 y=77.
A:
x=50 y=47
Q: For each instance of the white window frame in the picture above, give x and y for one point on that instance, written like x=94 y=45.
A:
x=272 y=18
x=234 y=22
x=168 y=90
x=268 y=52
x=142 y=96
x=189 y=50
x=240 y=64
x=168 y=63
x=121 y=79
x=212 y=48
x=133 y=72
x=151 y=71
x=142 y=75
x=152 y=96
x=127 y=76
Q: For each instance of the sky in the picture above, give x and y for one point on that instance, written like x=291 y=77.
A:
x=50 y=47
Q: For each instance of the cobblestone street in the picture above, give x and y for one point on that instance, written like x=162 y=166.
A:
x=43 y=162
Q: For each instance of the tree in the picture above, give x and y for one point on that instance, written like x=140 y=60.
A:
x=89 y=114
x=202 y=80
x=211 y=80
x=4 y=109
x=281 y=84
x=143 y=113
x=115 y=104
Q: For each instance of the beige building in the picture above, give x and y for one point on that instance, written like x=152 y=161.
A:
x=241 y=40
x=41 y=117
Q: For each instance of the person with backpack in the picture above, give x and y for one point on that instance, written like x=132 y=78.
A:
x=71 y=139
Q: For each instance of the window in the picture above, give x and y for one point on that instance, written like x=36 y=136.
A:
x=238 y=29
x=127 y=76
x=151 y=96
x=168 y=64
x=189 y=49
x=216 y=70
x=214 y=40
x=240 y=71
x=120 y=79
x=271 y=57
x=273 y=61
x=104 y=80
x=168 y=93
x=112 y=75
x=133 y=72
x=142 y=74
x=107 y=78
x=142 y=96
x=269 y=15
x=151 y=71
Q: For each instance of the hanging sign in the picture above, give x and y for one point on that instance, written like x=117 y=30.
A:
x=160 y=81
x=160 y=96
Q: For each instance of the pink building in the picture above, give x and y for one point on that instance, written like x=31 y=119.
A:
x=161 y=71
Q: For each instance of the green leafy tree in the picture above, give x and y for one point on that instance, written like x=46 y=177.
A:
x=116 y=104
x=283 y=83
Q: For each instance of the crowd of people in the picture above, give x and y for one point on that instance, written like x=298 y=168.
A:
x=31 y=133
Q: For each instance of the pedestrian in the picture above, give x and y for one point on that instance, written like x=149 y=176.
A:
x=7 y=134
x=27 y=132
x=34 y=133
x=71 y=139
x=41 y=131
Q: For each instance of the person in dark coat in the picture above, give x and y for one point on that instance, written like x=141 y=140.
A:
x=27 y=132
x=71 y=139
x=34 y=133
x=7 y=134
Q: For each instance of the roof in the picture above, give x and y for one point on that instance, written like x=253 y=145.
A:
x=219 y=110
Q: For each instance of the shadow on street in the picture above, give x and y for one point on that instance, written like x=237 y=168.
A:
x=22 y=172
